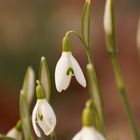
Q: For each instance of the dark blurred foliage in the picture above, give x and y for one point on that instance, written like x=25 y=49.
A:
x=30 y=29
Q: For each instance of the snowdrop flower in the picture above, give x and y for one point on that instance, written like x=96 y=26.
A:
x=88 y=133
x=66 y=67
x=138 y=34
x=15 y=132
x=108 y=17
x=43 y=117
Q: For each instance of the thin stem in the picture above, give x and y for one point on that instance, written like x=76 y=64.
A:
x=123 y=94
x=77 y=35
x=94 y=92
x=53 y=136
x=87 y=48
x=83 y=18
x=88 y=31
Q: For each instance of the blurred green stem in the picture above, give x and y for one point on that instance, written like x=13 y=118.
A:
x=53 y=136
x=123 y=94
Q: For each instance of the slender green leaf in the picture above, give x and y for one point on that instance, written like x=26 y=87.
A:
x=44 y=77
x=5 y=137
x=29 y=84
x=86 y=21
x=25 y=117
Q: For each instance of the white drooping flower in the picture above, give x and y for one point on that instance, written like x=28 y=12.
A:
x=66 y=67
x=138 y=34
x=88 y=133
x=14 y=133
x=43 y=118
x=108 y=17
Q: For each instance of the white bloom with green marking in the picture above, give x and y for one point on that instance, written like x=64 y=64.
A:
x=66 y=67
x=14 y=133
x=88 y=133
x=43 y=118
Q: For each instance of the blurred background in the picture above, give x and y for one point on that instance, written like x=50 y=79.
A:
x=30 y=29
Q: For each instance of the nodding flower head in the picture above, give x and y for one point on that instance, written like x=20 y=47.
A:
x=15 y=132
x=66 y=67
x=43 y=116
x=88 y=133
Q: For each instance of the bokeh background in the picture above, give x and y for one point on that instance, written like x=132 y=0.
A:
x=30 y=29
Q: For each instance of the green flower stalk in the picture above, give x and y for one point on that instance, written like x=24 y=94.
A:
x=109 y=27
x=94 y=92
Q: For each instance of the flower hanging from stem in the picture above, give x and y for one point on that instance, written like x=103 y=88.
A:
x=43 y=116
x=66 y=67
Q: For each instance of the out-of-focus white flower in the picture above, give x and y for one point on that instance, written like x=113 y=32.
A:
x=88 y=133
x=138 y=34
x=66 y=67
x=108 y=17
x=14 y=133
x=43 y=117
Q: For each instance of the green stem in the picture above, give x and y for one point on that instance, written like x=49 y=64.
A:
x=53 y=136
x=96 y=94
x=123 y=94
x=85 y=27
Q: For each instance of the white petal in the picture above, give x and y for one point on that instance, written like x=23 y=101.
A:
x=108 y=18
x=44 y=127
x=13 y=133
x=78 y=72
x=48 y=122
x=62 y=80
x=77 y=136
x=91 y=133
x=37 y=131
x=88 y=133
